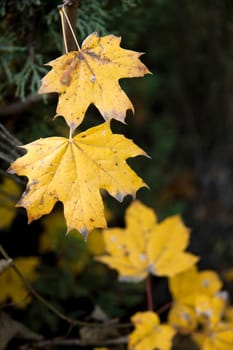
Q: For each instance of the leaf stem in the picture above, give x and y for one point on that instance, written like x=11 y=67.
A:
x=149 y=293
x=63 y=15
x=63 y=29
x=164 y=307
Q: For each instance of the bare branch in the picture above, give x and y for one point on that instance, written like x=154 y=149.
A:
x=20 y=106
x=71 y=342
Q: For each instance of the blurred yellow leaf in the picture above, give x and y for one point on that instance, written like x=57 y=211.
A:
x=209 y=282
x=146 y=246
x=149 y=334
x=74 y=171
x=9 y=194
x=209 y=309
x=183 y=318
x=12 y=286
x=187 y=284
x=90 y=76
x=95 y=242
x=218 y=338
x=199 y=308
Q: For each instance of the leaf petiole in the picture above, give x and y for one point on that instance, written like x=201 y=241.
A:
x=63 y=15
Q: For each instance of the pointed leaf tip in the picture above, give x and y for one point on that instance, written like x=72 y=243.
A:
x=51 y=160
x=103 y=59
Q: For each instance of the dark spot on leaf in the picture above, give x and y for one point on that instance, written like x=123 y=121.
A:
x=81 y=56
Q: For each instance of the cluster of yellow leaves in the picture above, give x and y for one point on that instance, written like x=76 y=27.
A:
x=12 y=287
x=146 y=245
x=74 y=170
x=200 y=307
x=200 y=310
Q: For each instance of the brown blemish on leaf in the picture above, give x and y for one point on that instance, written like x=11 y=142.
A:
x=91 y=76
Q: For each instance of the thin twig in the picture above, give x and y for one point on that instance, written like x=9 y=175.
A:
x=6 y=157
x=164 y=307
x=38 y=296
x=20 y=106
x=9 y=137
x=53 y=308
x=8 y=148
x=15 y=178
x=71 y=342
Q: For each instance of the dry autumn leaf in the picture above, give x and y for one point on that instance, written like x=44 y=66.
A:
x=73 y=171
x=90 y=76
x=10 y=329
x=146 y=246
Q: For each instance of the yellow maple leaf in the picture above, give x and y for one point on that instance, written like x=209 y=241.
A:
x=149 y=334
x=216 y=333
x=210 y=309
x=12 y=286
x=218 y=338
x=183 y=318
x=146 y=246
x=73 y=171
x=90 y=76
x=9 y=194
x=199 y=306
x=206 y=313
x=186 y=285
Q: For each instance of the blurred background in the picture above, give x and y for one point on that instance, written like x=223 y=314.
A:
x=183 y=119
